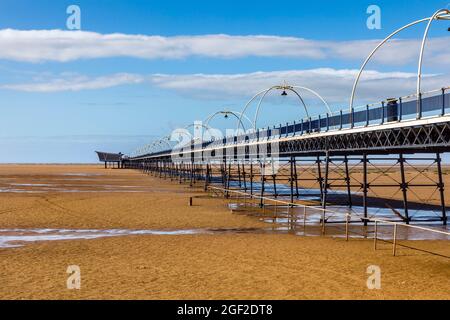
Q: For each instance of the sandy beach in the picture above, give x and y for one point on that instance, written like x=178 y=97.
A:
x=215 y=265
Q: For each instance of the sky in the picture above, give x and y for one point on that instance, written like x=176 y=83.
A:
x=137 y=70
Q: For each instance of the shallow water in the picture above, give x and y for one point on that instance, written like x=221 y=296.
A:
x=296 y=223
x=313 y=195
x=36 y=185
x=10 y=238
x=13 y=238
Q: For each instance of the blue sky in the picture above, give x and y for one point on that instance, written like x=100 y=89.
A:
x=139 y=69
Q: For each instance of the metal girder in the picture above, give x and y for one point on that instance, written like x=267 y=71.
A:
x=425 y=138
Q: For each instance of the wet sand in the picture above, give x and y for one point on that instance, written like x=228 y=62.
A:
x=226 y=265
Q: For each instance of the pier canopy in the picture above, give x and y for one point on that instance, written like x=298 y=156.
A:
x=109 y=157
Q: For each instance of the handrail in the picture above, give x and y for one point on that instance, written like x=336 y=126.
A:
x=406 y=225
x=347 y=220
x=292 y=204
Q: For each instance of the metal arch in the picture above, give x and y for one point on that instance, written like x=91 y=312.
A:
x=142 y=150
x=317 y=95
x=157 y=143
x=234 y=113
x=197 y=124
x=281 y=88
x=437 y=14
x=352 y=97
x=151 y=146
x=248 y=104
x=165 y=140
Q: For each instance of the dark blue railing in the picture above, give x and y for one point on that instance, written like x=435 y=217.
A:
x=436 y=103
x=392 y=110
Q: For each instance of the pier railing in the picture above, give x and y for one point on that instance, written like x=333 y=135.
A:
x=306 y=210
x=412 y=107
x=435 y=103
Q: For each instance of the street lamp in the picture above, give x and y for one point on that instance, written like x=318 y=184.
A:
x=226 y=114
x=285 y=88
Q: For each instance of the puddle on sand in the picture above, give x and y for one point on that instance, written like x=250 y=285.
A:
x=12 y=238
x=69 y=183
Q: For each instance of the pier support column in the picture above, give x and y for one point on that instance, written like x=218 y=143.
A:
x=325 y=181
x=441 y=188
x=228 y=178
x=251 y=178
x=207 y=173
x=347 y=182
x=191 y=174
x=223 y=174
x=319 y=175
x=243 y=174
x=239 y=175
x=297 y=194
x=404 y=186
x=365 y=187
x=274 y=179
x=263 y=179
x=291 y=178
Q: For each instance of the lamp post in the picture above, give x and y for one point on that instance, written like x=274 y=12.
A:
x=285 y=89
x=226 y=113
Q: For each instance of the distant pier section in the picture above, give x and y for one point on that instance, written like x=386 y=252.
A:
x=111 y=158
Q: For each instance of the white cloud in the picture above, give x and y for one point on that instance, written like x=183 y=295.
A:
x=74 y=82
x=63 y=46
x=334 y=85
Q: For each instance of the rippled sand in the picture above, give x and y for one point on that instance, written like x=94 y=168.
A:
x=228 y=265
